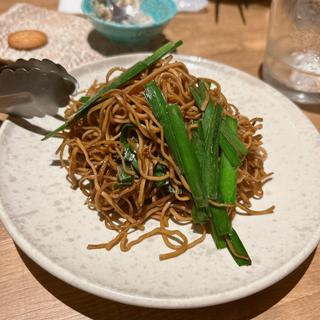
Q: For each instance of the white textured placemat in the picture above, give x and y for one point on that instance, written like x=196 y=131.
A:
x=67 y=35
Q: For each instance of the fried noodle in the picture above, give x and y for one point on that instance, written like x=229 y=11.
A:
x=94 y=153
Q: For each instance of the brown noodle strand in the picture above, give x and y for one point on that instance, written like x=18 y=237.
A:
x=222 y=205
x=256 y=212
x=230 y=246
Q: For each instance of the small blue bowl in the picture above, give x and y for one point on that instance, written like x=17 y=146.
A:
x=162 y=11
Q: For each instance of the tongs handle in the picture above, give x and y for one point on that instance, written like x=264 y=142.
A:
x=7 y=101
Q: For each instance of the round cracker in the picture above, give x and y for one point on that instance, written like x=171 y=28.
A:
x=27 y=39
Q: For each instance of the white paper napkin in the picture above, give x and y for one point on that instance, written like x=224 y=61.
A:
x=70 y=6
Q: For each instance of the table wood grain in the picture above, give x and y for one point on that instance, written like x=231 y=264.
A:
x=29 y=292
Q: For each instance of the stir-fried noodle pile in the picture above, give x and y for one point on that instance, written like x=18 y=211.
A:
x=95 y=155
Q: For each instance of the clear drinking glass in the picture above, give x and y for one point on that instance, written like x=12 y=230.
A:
x=292 y=59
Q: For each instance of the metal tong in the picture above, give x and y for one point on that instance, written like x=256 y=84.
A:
x=34 y=88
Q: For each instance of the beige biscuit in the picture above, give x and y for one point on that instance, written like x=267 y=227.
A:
x=27 y=39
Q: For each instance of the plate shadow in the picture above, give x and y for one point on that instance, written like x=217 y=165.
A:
x=101 y=44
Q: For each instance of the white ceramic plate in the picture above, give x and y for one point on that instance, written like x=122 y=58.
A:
x=50 y=222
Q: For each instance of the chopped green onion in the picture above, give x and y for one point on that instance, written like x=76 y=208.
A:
x=172 y=122
x=199 y=215
x=196 y=96
x=198 y=147
x=229 y=151
x=228 y=174
x=233 y=139
x=229 y=141
x=209 y=130
x=158 y=104
x=228 y=193
x=189 y=161
x=124 y=178
x=129 y=154
x=84 y=99
x=160 y=170
x=239 y=248
x=219 y=241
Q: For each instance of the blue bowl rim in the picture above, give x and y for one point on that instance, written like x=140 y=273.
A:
x=128 y=26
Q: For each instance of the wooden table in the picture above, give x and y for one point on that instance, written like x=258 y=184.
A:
x=29 y=292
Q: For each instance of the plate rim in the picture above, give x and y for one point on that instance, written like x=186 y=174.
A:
x=153 y=302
